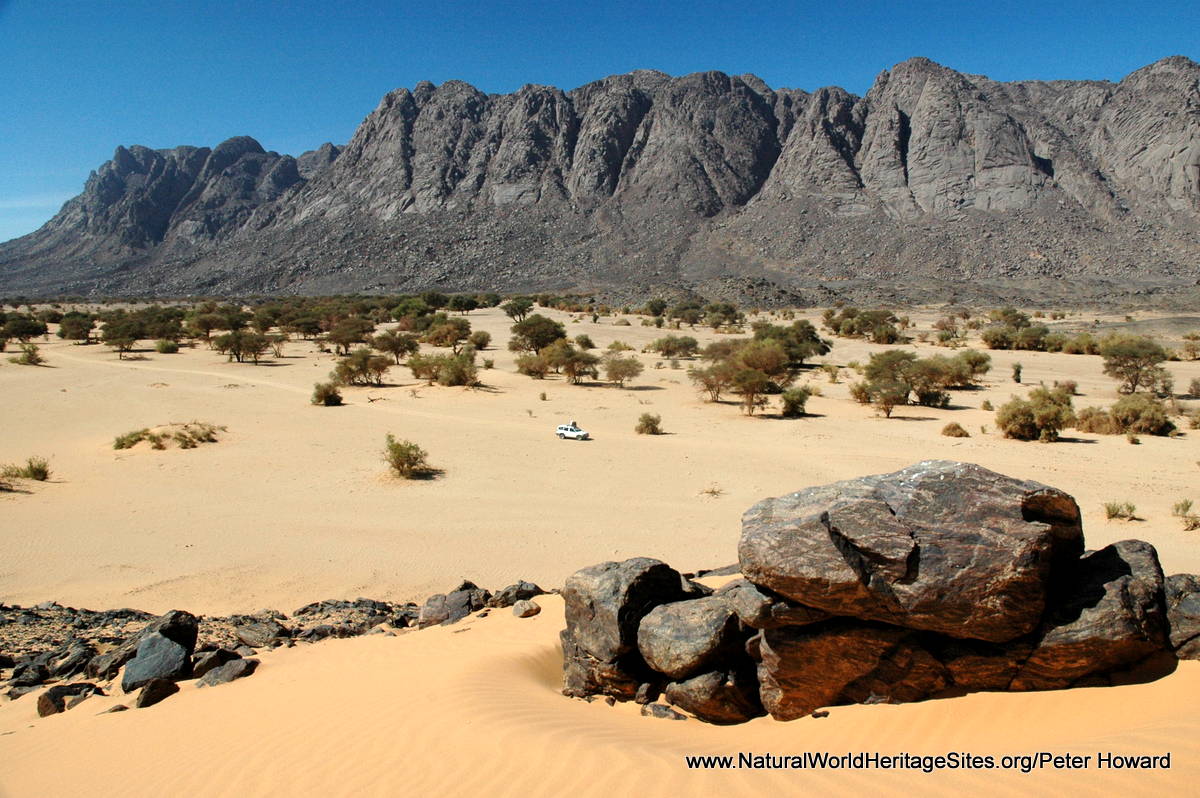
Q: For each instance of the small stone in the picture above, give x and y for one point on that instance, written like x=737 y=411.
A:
x=647 y=693
x=526 y=609
x=117 y=708
x=235 y=669
x=212 y=659
x=661 y=711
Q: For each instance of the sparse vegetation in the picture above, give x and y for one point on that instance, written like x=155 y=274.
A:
x=35 y=468
x=361 y=367
x=955 y=430
x=165 y=346
x=649 y=424
x=30 y=356
x=406 y=459
x=326 y=394
x=794 y=402
x=1120 y=510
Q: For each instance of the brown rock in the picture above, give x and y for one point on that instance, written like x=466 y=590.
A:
x=941 y=546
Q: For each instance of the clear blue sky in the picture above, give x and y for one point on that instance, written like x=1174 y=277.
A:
x=80 y=78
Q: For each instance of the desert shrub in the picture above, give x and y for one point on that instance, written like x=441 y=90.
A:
x=36 y=468
x=619 y=346
x=405 y=458
x=533 y=365
x=1123 y=510
x=752 y=385
x=165 y=346
x=30 y=356
x=480 y=339
x=1016 y=372
x=1140 y=413
x=886 y=395
x=361 y=367
x=457 y=369
x=326 y=394
x=713 y=380
x=649 y=424
x=955 y=430
x=241 y=344
x=1194 y=388
x=621 y=323
x=1096 y=420
x=1070 y=386
x=675 y=346
x=620 y=369
x=130 y=439
x=860 y=393
x=794 y=401
x=831 y=371
x=584 y=341
x=986 y=405
x=488 y=363
x=1182 y=508
x=1040 y=417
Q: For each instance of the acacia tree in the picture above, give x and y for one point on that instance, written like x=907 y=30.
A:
x=535 y=333
x=517 y=309
x=242 y=344
x=752 y=385
x=1134 y=361
x=397 y=344
x=620 y=369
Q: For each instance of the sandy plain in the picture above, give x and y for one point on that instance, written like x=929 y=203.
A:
x=293 y=505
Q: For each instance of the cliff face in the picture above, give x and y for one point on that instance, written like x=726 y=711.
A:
x=707 y=181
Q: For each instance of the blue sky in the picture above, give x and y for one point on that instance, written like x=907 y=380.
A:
x=81 y=78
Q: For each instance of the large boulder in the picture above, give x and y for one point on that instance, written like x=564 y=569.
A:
x=605 y=603
x=940 y=546
x=1183 y=614
x=158 y=657
x=177 y=625
x=604 y=607
x=1109 y=615
x=718 y=696
x=681 y=638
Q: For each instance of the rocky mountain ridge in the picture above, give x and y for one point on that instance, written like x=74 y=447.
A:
x=934 y=182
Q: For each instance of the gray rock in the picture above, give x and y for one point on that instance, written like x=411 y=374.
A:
x=605 y=603
x=244 y=651
x=212 y=659
x=157 y=658
x=267 y=633
x=585 y=675
x=1183 y=614
x=234 y=669
x=682 y=638
x=521 y=591
x=452 y=607
x=941 y=546
x=154 y=691
x=718 y=697
x=176 y=625
x=29 y=674
x=661 y=711
x=647 y=693
x=526 y=609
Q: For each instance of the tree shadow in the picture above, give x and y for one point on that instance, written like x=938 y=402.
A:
x=1062 y=439
x=643 y=388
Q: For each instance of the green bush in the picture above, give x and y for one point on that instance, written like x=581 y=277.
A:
x=326 y=394
x=584 y=341
x=794 y=401
x=36 y=468
x=1141 y=413
x=165 y=346
x=480 y=339
x=30 y=356
x=1040 y=417
x=405 y=458
x=620 y=369
x=1096 y=420
x=649 y=424
x=130 y=439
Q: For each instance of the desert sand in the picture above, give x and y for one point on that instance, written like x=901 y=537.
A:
x=293 y=505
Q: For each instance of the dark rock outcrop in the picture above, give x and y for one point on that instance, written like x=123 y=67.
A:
x=154 y=691
x=946 y=547
x=1183 y=614
x=55 y=699
x=212 y=659
x=157 y=657
x=178 y=626
x=939 y=579
x=521 y=591
x=234 y=669
x=453 y=606
x=266 y=633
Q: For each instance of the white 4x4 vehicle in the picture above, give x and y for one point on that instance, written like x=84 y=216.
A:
x=571 y=431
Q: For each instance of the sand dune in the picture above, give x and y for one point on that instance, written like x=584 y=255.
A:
x=293 y=505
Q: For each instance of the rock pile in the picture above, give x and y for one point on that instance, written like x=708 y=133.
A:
x=49 y=645
x=939 y=579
